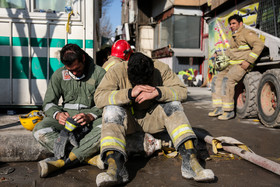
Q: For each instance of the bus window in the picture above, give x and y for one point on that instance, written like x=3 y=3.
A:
x=50 y=5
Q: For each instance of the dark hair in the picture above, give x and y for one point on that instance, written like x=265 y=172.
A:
x=102 y=56
x=140 y=69
x=71 y=52
x=236 y=17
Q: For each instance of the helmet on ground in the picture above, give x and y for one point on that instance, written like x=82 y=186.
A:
x=29 y=120
x=121 y=49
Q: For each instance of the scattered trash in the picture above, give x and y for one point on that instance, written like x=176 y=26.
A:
x=224 y=156
x=172 y=154
x=168 y=153
x=2 y=179
x=82 y=170
x=6 y=171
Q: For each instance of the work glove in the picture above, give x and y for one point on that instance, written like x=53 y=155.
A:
x=65 y=137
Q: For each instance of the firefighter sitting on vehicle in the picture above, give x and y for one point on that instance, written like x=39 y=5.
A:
x=245 y=48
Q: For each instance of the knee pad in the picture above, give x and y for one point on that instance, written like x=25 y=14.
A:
x=213 y=84
x=224 y=86
x=171 y=107
x=114 y=114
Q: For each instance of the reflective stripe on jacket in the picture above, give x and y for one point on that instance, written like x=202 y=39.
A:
x=112 y=60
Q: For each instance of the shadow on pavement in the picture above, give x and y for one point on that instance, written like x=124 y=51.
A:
x=10 y=125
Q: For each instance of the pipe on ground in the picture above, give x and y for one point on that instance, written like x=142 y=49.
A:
x=252 y=157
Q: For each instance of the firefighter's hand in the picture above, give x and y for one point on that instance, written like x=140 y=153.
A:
x=83 y=118
x=142 y=88
x=144 y=96
x=61 y=117
x=245 y=65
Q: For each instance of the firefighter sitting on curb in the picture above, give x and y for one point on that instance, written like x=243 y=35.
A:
x=143 y=95
x=245 y=48
x=120 y=51
x=78 y=121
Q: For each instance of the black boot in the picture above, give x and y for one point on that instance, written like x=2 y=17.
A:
x=191 y=169
x=116 y=173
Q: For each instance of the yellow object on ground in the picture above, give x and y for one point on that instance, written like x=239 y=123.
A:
x=31 y=119
x=169 y=152
x=96 y=161
x=217 y=143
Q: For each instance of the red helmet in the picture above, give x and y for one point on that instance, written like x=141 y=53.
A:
x=121 y=49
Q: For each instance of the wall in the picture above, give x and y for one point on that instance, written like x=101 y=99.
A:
x=168 y=61
x=216 y=3
x=160 y=6
x=146 y=39
x=190 y=2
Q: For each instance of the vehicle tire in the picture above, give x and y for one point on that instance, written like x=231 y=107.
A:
x=268 y=98
x=246 y=92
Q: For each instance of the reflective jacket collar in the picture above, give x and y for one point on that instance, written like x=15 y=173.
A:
x=238 y=30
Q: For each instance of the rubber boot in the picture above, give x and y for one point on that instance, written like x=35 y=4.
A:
x=116 y=173
x=226 y=115
x=217 y=112
x=96 y=161
x=49 y=165
x=191 y=169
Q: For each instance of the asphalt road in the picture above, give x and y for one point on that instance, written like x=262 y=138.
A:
x=230 y=170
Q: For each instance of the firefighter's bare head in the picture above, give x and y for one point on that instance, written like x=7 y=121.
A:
x=73 y=57
x=140 y=69
x=235 y=21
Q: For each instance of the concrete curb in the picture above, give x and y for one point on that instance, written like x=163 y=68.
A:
x=17 y=143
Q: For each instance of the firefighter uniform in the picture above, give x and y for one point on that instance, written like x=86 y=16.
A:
x=112 y=60
x=244 y=45
x=77 y=98
x=122 y=116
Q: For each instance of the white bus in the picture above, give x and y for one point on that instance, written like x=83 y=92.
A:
x=31 y=34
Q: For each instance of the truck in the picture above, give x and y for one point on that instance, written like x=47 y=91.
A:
x=31 y=35
x=258 y=94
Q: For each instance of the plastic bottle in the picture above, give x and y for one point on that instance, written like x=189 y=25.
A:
x=68 y=6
